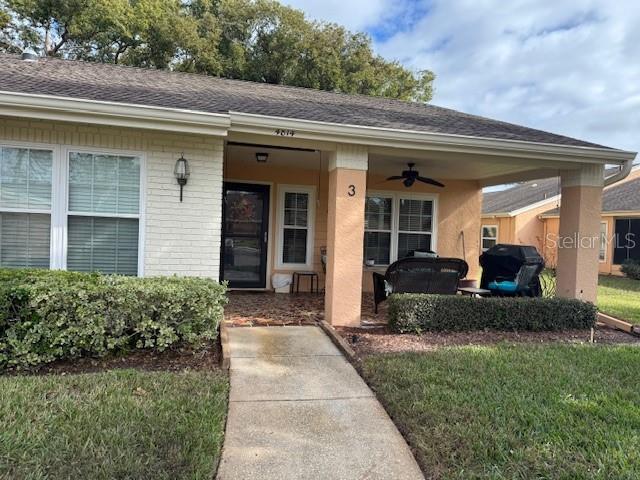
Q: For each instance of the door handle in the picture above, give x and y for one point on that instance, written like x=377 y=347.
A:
x=265 y=237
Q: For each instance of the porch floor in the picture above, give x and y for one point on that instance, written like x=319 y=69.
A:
x=279 y=309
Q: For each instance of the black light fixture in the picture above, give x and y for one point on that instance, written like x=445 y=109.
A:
x=261 y=157
x=181 y=172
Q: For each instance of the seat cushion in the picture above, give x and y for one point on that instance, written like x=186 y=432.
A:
x=505 y=286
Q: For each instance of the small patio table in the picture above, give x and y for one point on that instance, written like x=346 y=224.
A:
x=475 y=292
x=313 y=276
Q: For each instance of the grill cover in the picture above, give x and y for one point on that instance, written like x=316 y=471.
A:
x=502 y=262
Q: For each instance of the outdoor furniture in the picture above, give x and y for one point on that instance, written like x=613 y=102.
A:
x=313 y=276
x=419 y=275
x=512 y=270
x=475 y=292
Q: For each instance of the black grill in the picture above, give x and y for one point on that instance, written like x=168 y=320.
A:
x=502 y=262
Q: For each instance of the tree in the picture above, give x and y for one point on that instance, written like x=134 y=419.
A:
x=259 y=40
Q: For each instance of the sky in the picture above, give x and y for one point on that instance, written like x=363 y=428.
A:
x=570 y=67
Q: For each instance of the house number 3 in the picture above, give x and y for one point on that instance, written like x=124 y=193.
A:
x=351 y=190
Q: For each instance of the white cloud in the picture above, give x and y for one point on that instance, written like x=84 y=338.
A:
x=572 y=67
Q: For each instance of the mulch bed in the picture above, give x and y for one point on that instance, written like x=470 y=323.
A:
x=169 y=361
x=379 y=341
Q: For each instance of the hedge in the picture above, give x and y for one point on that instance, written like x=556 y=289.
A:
x=631 y=268
x=50 y=315
x=419 y=313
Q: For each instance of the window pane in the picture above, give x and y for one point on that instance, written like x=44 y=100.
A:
x=603 y=241
x=377 y=247
x=104 y=184
x=487 y=243
x=378 y=213
x=408 y=242
x=489 y=232
x=296 y=209
x=107 y=245
x=25 y=178
x=294 y=249
x=24 y=240
x=415 y=215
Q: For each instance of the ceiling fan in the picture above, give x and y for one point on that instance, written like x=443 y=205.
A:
x=410 y=176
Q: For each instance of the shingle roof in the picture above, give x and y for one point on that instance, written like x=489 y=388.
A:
x=519 y=196
x=623 y=197
x=94 y=81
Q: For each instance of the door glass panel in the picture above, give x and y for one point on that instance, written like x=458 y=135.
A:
x=242 y=259
x=244 y=243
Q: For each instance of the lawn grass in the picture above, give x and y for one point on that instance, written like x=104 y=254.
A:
x=123 y=424
x=620 y=297
x=516 y=412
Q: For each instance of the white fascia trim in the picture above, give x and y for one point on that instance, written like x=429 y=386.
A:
x=533 y=205
x=49 y=107
x=376 y=136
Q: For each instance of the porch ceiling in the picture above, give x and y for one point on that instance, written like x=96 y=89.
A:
x=488 y=170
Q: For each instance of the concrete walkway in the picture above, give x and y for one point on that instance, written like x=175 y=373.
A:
x=299 y=410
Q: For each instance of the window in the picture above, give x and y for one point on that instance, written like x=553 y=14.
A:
x=414 y=226
x=103 y=213
x=25 y=207
x=396 y=225
x=603 y=241
x=489 y=236
x=296 y=232
x=378 y=229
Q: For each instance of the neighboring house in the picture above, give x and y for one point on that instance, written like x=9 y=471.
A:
x=528 y=214
x=620 y=217
x=91 y=154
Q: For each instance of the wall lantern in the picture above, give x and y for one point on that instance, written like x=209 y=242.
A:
x=181 y=171
x=262 y=157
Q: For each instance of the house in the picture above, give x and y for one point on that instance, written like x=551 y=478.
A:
x=92 y=155
x=528 y=214
x=619 y=220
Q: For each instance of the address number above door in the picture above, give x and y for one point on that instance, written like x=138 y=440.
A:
x=284 y=132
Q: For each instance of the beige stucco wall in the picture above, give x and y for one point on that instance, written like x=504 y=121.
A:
x=179 y=238
x=605 y=267
x=505 y=227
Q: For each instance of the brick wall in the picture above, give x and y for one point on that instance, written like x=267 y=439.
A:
x=179 y=238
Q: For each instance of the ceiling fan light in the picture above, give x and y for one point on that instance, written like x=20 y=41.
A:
x=408 y=182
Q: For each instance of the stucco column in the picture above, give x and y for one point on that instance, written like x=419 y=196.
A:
x=579 y=233
x=345 y=234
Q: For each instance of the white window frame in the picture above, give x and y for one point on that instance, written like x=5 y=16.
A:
x=483 y=238
x=55 y=151
x=63 y=206
x=606 y=241
x=396 y=196
x=59 y=198
x=394 y=238
x=311 y=215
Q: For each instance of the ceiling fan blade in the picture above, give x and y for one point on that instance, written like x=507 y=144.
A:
x=395 y=177
x=430 y=181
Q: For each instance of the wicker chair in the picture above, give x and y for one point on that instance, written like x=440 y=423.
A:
x=419 y=275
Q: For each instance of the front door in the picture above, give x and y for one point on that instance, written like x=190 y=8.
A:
x=245 y=226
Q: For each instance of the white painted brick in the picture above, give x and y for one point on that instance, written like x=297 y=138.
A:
x=180 y=238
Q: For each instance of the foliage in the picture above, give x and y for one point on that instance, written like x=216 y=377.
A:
x=49 y=315
x=259 y=40
x=410 y=312
x=122 y=424
x=631 y=268
x=516 y=412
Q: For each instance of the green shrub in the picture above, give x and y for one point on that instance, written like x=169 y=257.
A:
x=50 y=315
x=631 y=268
x=419 y=312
